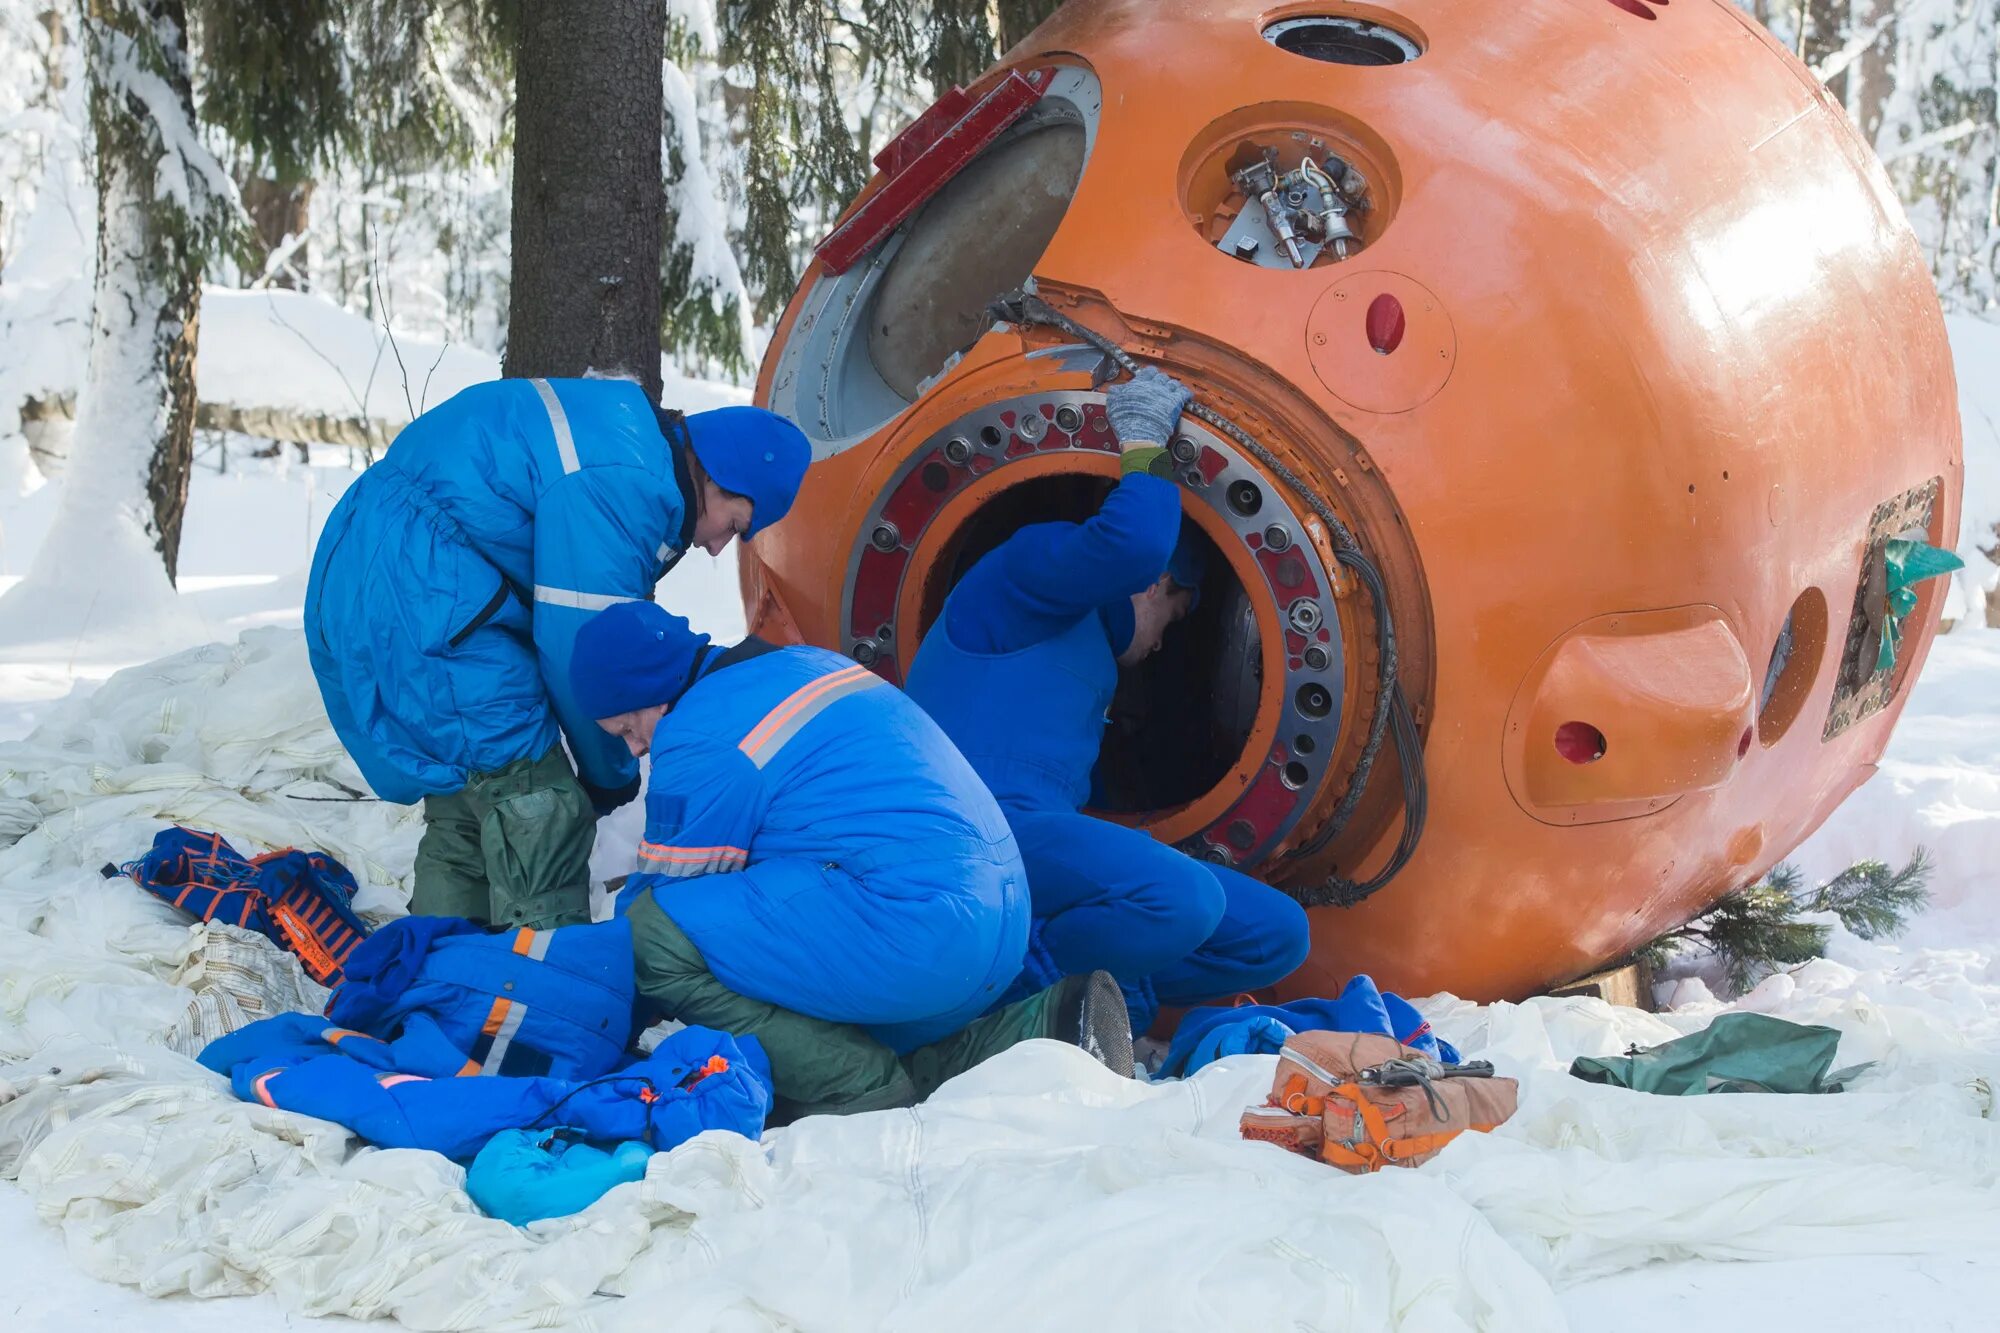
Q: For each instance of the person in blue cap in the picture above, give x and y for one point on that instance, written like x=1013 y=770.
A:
x=445 y=597
x=821 y=869
x=1020 y=669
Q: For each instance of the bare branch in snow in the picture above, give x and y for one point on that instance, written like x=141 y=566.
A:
x=280 y=259
x=424 y=399
x=388 y=328
x=360 y=401
x=1858 y=45
x=1937 y=138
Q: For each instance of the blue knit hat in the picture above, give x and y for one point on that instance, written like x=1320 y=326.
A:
x=755 y=453
x=632 y=655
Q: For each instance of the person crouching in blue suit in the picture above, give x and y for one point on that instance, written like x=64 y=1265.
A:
x=821 y=869
x=1020 y=669
x=445 y=597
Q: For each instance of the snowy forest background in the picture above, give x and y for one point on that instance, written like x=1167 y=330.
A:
x=397 y=159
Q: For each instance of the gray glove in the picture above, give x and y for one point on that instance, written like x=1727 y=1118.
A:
x=1146 y=408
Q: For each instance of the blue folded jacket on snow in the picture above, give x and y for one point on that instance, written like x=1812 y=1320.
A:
x=519 y=1002
x=1209 y=1034
x=524 y=1175
x=403 y=1093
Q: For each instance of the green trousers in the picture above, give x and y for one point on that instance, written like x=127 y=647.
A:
x=510 y=849
x=817 y=1067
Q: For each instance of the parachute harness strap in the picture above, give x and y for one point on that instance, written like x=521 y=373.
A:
x=1391 y=716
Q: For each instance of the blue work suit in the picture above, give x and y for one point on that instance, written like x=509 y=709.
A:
x=827 y=850
x=453 y=575
x=1019 y=671
x=409 y=1091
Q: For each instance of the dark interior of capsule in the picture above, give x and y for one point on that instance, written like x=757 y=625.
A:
x=1181 y=718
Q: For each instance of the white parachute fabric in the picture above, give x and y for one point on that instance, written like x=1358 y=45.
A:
x=237 y=977
x=227 y=737
x=1035 y=1191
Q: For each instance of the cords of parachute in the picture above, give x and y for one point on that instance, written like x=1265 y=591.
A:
x=1392 y=716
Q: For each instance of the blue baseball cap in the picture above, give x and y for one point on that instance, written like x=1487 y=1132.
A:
x=752 y=452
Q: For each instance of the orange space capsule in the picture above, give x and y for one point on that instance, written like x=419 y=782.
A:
x=1592 y=325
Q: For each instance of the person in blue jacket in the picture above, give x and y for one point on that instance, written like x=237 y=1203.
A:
x=821 y=869
x=447 y=590
x=1020 y=669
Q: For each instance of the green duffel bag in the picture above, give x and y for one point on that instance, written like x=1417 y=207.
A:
x=1735 y=1053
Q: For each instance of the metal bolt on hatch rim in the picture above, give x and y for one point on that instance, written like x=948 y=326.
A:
x=1184 y=449
x=1317 y=657
x=885 y=537
x=1304 y=615
x=1033 y=425
x=1278 y=537
x=865 y=652
x=1068 y=419
x=957 y=450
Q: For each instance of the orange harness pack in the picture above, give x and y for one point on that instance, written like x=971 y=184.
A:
x=1361 y=1102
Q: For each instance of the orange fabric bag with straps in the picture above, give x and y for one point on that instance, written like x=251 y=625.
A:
x=1326 y=1102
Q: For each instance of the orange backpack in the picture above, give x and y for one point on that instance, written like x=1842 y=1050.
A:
x=1362 y=1102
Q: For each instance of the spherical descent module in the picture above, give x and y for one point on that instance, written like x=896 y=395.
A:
x=1593 y=322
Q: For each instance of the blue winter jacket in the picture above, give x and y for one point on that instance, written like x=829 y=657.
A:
x=828 y=850
x=1020 y=669
x=404 y=1093
x=517 y=508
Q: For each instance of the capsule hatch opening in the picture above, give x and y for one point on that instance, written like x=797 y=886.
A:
x=1180 y=720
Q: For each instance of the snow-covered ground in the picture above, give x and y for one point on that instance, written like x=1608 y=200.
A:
x=1035 y=1192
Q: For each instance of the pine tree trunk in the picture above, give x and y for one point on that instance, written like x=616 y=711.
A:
x=135 y=423
x=1825 y=33
x=280 y=211
x=587 y=190
x=1874 y=74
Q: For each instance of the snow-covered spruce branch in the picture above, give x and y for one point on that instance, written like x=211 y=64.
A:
x=1936 y=138
x=279 y=261
x=1857 y=46
x=188 y=176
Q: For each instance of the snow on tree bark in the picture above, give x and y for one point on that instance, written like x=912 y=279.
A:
x=109 y=559
x=136 y=418
x=587 y=190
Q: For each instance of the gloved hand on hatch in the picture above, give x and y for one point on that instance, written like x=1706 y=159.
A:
x=1145 y=409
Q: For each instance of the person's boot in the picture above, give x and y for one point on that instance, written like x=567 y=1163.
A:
x=1090 y=1013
